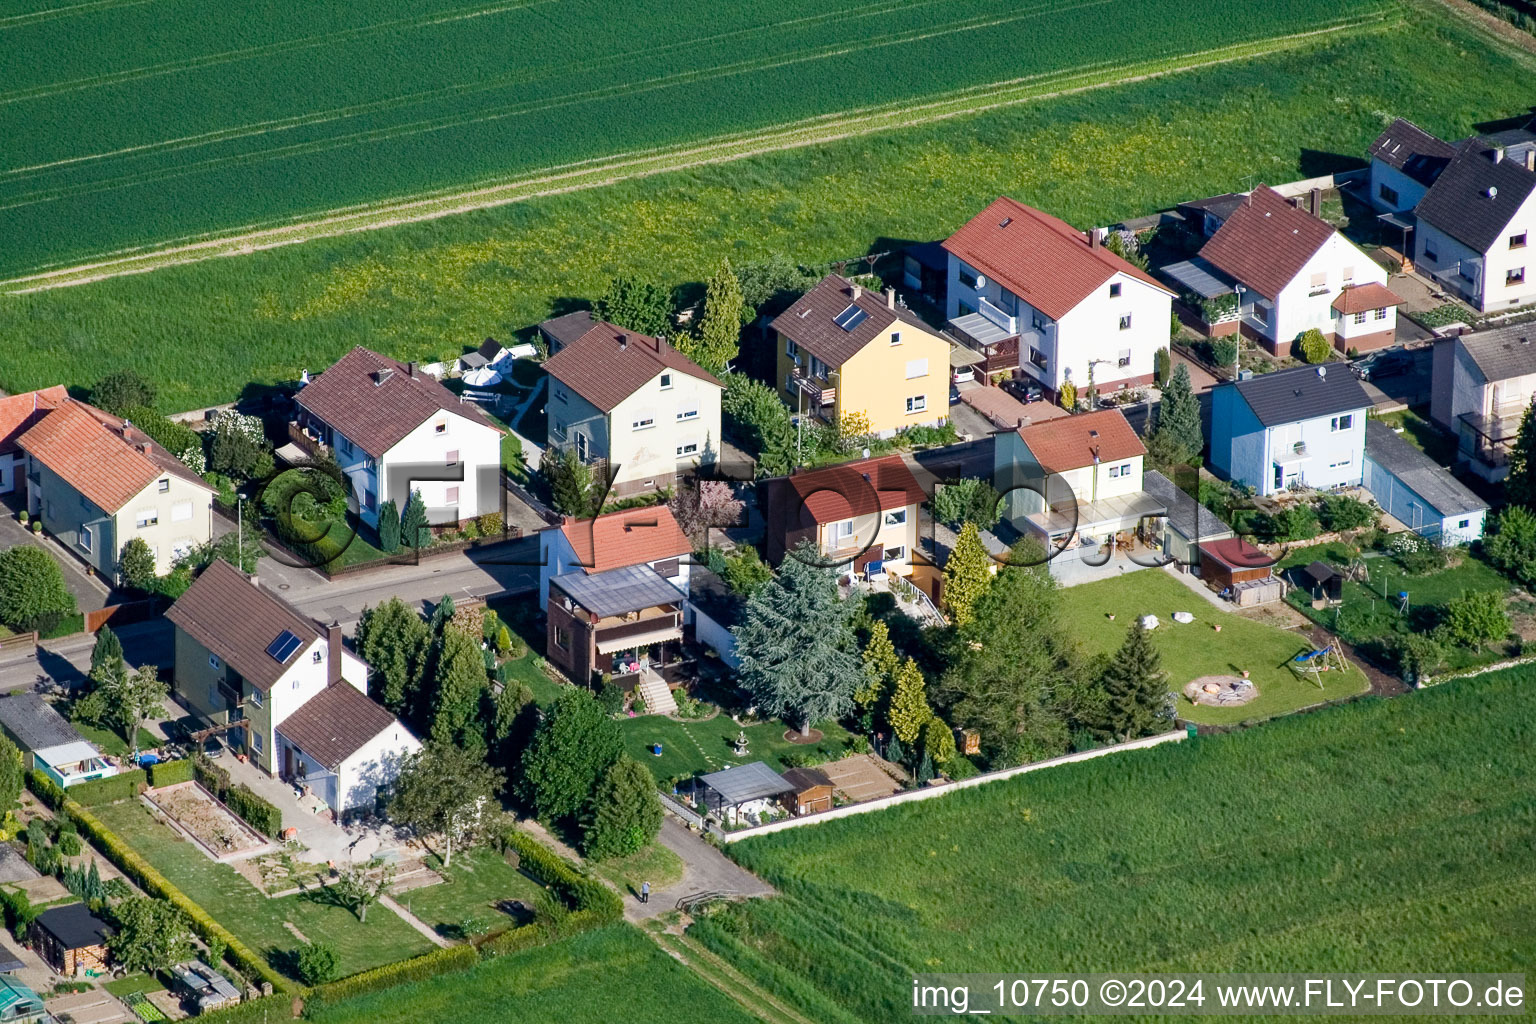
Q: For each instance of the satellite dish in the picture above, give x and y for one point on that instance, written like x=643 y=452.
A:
x=981 y=281
x=866 y=453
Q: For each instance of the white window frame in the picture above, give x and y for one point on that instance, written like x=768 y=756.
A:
x=1381 y=313
x=1125 y=469
x=1115 y=290
x=256 y=742
x=255 y=697
x=687 y=448
x=895 y=554
x=181 y=512
x=1360 y=317
x=666 y=383
x=896 y=517
x=144 y=518
x=1340 y=423
x=86 y=539
x=790 y=348
x=895 y=337
x=1125 y=322
x=643 y=421
x=840 y=531
x=688 y=412
x=163 y=484
x=214 y=662
x=917 y=404
x=440 y=427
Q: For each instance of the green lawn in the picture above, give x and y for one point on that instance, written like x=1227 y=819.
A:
x=655 y=864
x=596 y=978
x=478 y=879
x=523 y=670
x=111 y=741
x=1373 y=834
x=135 y=982
x=1094 y=157
x=1196 y=649
x=1416 y=428
x=243 y=909
x=689 y=748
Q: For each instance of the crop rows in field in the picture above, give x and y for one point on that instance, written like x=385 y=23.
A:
x=1369 y=837
x=129 y=123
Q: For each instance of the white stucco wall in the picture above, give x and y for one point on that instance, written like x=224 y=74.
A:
x=479 y=452
x=1297 y=309
x=373 y=766
x=1334 y=457
x=1091 y=331
x=183 y=514
x=684 y=416
x=1490 y=288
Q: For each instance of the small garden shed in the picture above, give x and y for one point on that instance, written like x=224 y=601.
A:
x=812 y=792
x=745 y=789
x=1322 y=581
x=1238 y=570
x=71 y=939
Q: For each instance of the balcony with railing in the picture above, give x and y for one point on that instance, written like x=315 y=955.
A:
x=308 y=437
x=817 y=390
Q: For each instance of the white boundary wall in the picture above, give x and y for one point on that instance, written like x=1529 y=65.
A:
x=937 y=791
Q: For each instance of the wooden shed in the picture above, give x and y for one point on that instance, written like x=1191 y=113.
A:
x=1324 y=581
x=71 y=939
x=812 y=793
x=1240 y=572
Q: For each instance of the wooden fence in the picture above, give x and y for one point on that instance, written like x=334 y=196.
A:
x=18 y=640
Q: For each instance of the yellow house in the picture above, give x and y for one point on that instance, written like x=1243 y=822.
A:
x=843 y=349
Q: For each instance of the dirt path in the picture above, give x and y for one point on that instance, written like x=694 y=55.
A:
x=639 y=164
x=388 y=903
x=727 y=979
x=1490 y=24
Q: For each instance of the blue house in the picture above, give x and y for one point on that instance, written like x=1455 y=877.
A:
x=1421 y=494
x=1303 y=427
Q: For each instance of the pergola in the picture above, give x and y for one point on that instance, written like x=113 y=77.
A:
x=733 y=788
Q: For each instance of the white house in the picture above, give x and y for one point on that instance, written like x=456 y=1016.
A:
x=394 y=429
x=1480 y=388
x=1477 y=222
x=634 y=403
x=1036 y=295
x=1303 y=427
x=1292 y=272
x=1405 y=161
x=245 y=654
x=1421 y=495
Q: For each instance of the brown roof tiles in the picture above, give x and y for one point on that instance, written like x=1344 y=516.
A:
x=1266 y=241
x=862 y=488
x=1073 y=441
x=226 y=612
x=631 y=537
x=336 y=723
x=1044 y=261
x=812 y=324
x=1362 y=297
x=18 y=412
x=608 y=364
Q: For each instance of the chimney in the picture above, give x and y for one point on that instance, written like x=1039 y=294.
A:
x=380 y=376
x=890 y=298
x=1315 y=203
x=1530 y=159
x=623 y=343
x=1496 y=154
x=856 y=291
x=1093 y=238
x=333 y=651
x=411 y=368
x=253 y=580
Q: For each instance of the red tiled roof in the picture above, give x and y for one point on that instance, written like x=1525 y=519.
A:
x=862 y=488
x=375 y=402
x=18 y=412
x=1266 y=241
x=1070 y=443
x=1361 y=297
x=97 y=454
x=1044 y=261
x=608 y=364
x=626 y=538
x=336 y=723
x=1236 y=553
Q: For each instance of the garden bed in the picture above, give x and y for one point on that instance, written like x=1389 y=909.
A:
x=217 y=830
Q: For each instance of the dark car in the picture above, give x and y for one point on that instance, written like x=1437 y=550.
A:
x=1024 y=390
x=1390 y=363
x=954 y=395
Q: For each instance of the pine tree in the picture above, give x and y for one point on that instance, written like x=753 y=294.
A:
x=967 y=574
x=797 y=649
x=924 y=771
x=1520 y=486
x=570 y=482
x=107 y=652
x=880 y=666
x=1178 y=415
x=939 y=741
x=413 y=523
x=1136 y=687
x=389 y=527
x=456 y=686
x=893 y=751
x=392 y=639
x=625 y=813
x=719 y=338
x=909 y=703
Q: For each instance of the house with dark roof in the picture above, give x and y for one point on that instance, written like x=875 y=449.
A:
x=394 y=429
x=1303 y=427
x=1476 y=223
x=1077 y=485
x=1405 y=161
x=17 y=414
x=615 y=592
x=560 y=331
x=1046 y=301
x=245 y=655
x=634 y=405
x=845 y=350
x=860 y=517
x=1481 y=385
x=98 y=482
x=1291 y=272
x=1416 y=491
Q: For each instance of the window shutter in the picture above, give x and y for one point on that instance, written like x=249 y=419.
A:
x=917 y=368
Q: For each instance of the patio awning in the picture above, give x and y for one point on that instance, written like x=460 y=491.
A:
x=960 y=356
x=746 y=782
x=656 y=636
x=632 y=588
x=68 y=753
x=1201 y=277
x=1495 y=429
x=1098 y=516
x=979 y=329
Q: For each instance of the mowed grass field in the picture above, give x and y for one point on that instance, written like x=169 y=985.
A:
x=130 y=122
x=1374 y=836
x=205 y=331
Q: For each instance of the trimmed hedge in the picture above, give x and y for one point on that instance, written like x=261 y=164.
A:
x=578 y=891
x=210 y=776
x=170 y=773
x=148 y=878
x=256 y=812
x=278 y=1006
x=123 y=786
x=418 y=968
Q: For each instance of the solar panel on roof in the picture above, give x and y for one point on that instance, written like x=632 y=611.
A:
x=850 y=318
x=283 y=647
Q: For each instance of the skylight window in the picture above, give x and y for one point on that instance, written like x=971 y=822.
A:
x=283 y=647
x=850 y=318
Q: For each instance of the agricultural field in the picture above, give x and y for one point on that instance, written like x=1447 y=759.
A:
x=130 y=124
x=207 y=331
x=1366 y=837
x=613 y=974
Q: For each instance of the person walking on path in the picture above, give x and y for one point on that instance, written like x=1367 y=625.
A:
x=645 y=892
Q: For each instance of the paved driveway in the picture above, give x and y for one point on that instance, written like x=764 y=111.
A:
x=90 y=593
x=704 y=869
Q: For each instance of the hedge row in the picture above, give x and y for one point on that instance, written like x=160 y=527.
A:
x=257 y=813
x=577 y=890
x=148 y=878
x=170 y=773
x=210 y=776
x=278 y=1006
x=417 y=968
x=123 y=786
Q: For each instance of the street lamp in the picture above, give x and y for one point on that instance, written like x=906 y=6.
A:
x=1237 y=352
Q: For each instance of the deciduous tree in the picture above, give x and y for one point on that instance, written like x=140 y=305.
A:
x=121 y=390
x=709 y=504
x=970 y=500
x=1512 y=544
x=444 y=791
x=456 y=687
x=967 y=574
x=798 y=655
x=637 y=306
x=32 y=590
x=625 y=814
x=317 y=963
x=136 y=565
x=359 y=886
x=152 y=934
x=571 y=749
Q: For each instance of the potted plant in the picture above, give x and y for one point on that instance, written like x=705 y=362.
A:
x=37 y=526
x=22 y=517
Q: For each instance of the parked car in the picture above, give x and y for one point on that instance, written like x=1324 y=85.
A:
x=963 y=375
x=1389 y=363
x=954 y=395
x=1024 y=390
